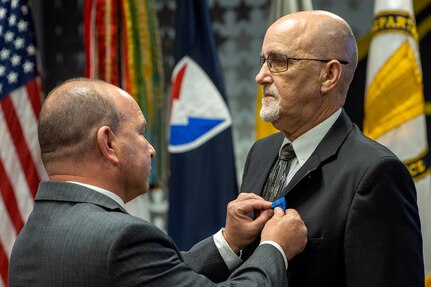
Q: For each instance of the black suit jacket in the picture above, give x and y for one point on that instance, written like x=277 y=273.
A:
x=358 y=202
x=76 y=236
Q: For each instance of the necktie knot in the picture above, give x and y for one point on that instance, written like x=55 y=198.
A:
x=287 y=153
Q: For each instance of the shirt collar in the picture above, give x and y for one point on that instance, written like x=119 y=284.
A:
x=305 y=145
x=108 y=193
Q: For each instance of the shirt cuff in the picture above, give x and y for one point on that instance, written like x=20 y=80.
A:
x=276 y=245
x=230 y=258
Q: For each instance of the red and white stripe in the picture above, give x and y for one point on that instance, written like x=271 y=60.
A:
x=21 y=166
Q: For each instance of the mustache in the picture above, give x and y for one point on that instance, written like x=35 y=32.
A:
x=270 y=90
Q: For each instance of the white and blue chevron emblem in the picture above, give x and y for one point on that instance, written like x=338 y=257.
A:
x=198 y=111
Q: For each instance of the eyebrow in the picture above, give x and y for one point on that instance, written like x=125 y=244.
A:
x=278 y=52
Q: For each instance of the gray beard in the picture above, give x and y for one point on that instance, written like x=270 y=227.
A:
x=270 y=112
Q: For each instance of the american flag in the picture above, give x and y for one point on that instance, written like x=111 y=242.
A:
x=21 y=97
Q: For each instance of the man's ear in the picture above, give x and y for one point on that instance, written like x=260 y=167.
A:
x=105 y=142
x=330 y=76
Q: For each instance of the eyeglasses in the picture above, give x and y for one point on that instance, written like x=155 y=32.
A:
x=279 y=63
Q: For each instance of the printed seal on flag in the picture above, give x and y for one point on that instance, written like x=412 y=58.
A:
x=198 y=110
x=394 y=21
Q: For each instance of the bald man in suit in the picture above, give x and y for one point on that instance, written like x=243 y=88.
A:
x=356 y=197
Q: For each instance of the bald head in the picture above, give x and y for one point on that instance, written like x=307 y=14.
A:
x=319 y=34
x=70 y=113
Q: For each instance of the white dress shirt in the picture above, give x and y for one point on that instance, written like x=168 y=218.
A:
x=307 y=143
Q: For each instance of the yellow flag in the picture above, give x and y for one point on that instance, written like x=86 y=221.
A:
x=394 y=103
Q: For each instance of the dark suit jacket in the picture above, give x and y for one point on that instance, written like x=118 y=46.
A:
x=358 y=202
x=76 y=236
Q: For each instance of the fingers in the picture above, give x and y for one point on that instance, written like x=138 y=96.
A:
x=246 y=217
x=245 y=196
x=263 y=217
x=278 y=212
x=288 y=230
x=245 y=207
x=248 y=195
x=247 y=202
x=266 y=215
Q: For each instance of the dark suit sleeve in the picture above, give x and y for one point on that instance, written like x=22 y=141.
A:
x=383 y=245
x=204 y=258
x=142 y=255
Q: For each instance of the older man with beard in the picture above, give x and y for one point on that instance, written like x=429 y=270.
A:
x=356 y=197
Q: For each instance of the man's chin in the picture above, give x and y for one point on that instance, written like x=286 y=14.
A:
x=269 y=117
x=267 y=120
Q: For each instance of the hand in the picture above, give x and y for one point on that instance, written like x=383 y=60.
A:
x=288 y=230
x=241 y=229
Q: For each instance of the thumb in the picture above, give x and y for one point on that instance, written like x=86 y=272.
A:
x=278 y=212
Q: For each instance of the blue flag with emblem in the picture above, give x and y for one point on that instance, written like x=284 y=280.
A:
x=202 y=166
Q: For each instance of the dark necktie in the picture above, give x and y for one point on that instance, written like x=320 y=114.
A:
x=277 y=177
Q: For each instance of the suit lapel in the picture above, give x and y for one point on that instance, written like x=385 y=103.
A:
x=327 y=148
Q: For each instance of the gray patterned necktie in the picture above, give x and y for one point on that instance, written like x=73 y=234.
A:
x=277 y=177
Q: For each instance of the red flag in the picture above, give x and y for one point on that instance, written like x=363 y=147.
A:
x=21 y=97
